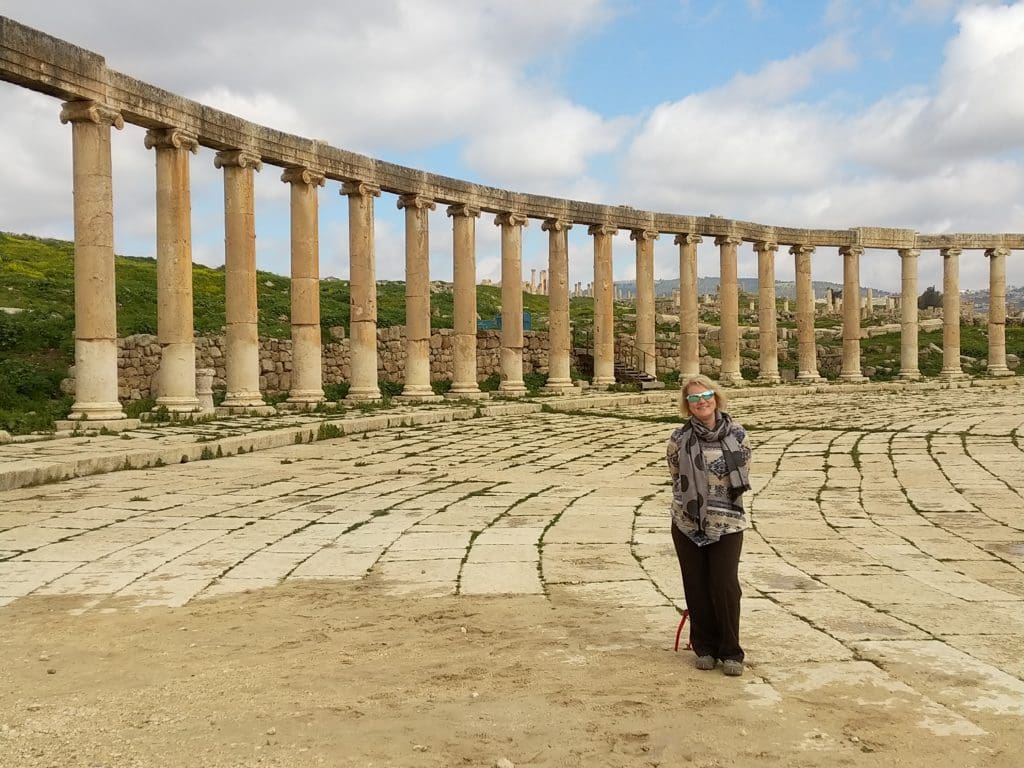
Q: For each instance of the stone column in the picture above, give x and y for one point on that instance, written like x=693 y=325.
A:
x=767 y=322
x=604 y=317
x=997 y=312
x=307 y=368
x=729 y=310
x=417 y=298
x=464 y=383
x=908 y=315
x=645 y=299
x=362 y=290
x=689 y=338
x=850 y=371
x=559 y=341
x=241 y=333
x=869 y=303
x=95 y=288
x=512 y=303
x=176 y=378
x=951 y=314
x=807 y=349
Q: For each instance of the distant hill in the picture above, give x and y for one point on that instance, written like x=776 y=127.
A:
x=783 y=289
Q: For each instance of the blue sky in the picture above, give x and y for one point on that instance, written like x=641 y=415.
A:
x=830 y=113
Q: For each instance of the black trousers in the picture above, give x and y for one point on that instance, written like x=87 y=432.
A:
x=712 y=587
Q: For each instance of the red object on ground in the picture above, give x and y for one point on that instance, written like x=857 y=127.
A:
x=682 y=623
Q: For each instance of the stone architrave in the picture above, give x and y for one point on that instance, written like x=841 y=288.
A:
x=96 y=386
x=307 y=369
x=645 y=339
x=241 y=332
x=767 y=321
x=604 y=319
x=689 y=339
x=176 y=378
x=464 y=383
x=417 y=298
x=559 y=342
x=909 y=370
x=512 y=303
x=850 y=371
x=997 y=312
x=807 y=350
x=363 y=290
x=951 y=368
x=729 y=309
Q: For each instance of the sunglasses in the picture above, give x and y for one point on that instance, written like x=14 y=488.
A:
x=705 y=395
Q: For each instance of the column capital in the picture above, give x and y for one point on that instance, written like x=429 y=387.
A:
x=415 y=200
x=721 y=240
x=237 y=158
x=950 y=252
x=90 y=112
x=172 y=138
x=851 y=250
x=909 y=253
x=765 y=245
x=555 y=225
x=688 y=239
x=360 y=189
x=463 y=209
x=511 y=220
x=1000 y=252
x=602 y=229
x=644 y=234
x=805 y=250
x=302 y=176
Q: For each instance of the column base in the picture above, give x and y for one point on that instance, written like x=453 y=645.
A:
x=303 y=396
x=732 y=380
x=999 y=371
x=560 y=387
x=302 y=406
x=110 y=425
x=852 y=378
x=908 y=376
x=111 y=411
x=363 y=395
x=243 y=400
x=809 y=377
x=466 y=394
x=512 y=389
x=183 y=405
x=771 y=378
x=603 y=381
x=425 y=395
x=955 y=374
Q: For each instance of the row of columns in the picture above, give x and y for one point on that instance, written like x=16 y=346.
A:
x=95 y=303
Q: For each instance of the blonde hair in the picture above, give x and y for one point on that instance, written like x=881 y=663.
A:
x=704 y=382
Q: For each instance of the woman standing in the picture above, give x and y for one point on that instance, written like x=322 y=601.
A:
x=708 y=458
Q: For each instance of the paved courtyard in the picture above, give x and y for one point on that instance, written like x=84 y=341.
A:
x=887 y=552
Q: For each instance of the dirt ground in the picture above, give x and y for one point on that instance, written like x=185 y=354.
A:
x=341 y=674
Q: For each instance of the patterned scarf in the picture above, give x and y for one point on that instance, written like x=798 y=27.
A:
x=693 y=470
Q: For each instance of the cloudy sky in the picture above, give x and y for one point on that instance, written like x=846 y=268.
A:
x=813 y=113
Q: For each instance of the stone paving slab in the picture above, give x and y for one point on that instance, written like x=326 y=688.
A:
x=876 y=536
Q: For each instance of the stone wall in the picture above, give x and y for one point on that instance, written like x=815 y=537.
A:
x=139 y=358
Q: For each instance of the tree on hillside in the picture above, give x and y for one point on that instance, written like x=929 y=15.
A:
x=930 y=298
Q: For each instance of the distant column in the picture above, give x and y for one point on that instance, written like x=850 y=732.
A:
x=307 y=368
x=645 y=342
x=951 y=314
x=241 y=333
x=807 y=349
x=689 y=338
x=729 y=310
x=512 y=303
x=559 y=342
x=997 y=311
x=95 y=287
x=604 y=319
x=766 y=317
x=908 y=315
x=177 y=375
x=464 y=383
x=417 y=298
x=869 y=303
x=362 y=290
x=850 y=371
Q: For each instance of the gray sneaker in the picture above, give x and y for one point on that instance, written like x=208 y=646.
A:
x=732 y=667
x=705 y=662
